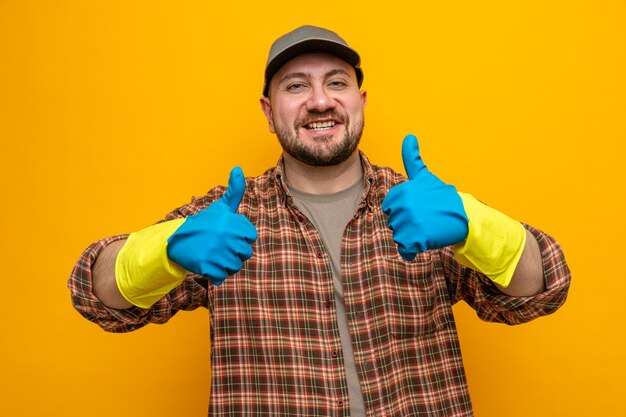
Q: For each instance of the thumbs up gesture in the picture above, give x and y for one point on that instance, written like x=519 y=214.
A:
x=424 y=212
x=216 y=241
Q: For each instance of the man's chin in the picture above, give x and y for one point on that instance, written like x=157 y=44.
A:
x=321 y=149
x=323 y=159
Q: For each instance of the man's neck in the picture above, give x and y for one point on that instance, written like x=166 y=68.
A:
x=323 y=180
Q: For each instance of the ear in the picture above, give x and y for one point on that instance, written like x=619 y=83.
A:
x=364 y=97
x=266 y=106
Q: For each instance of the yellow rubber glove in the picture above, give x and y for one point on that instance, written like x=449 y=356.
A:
x=143 y=272
x=214 y=243
x=494 y=244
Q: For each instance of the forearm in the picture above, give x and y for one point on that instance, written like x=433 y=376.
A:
x=103 y=276
x=188 y=296
x=494 y=305
x=528 y=279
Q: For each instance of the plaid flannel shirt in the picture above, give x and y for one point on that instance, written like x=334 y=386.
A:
x=275 y=344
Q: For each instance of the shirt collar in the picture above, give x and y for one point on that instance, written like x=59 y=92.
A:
x=367 y=200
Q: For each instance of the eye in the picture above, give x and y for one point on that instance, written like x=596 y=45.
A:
x=337 y=84
x=295 y=87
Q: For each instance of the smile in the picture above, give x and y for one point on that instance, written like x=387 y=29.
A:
x=320 y=125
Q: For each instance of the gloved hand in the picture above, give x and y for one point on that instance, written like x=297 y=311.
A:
x=216 y=241
x=424 y=212
x=213 y=243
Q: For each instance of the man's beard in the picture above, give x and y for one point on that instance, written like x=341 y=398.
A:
x=328 y=155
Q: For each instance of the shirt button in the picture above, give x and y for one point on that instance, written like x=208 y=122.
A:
x=318 y=254
x=328 y=303
x=340 y=403
x=334 y=353
x=300 y=219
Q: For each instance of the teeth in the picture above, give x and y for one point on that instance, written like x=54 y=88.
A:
x=321 y=125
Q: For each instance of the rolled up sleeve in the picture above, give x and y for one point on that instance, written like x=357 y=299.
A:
x=191 y=294
x=493 y=305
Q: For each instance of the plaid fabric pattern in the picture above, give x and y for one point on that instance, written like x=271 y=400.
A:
x=275 y=345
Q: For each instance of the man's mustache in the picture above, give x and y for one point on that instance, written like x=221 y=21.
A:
x=314 y=115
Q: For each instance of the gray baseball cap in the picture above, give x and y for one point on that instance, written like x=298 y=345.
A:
x=309 y=39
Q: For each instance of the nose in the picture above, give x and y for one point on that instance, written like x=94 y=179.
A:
x=319 y=99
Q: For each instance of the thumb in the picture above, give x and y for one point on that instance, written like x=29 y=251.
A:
x=413 y=164
x=236 y=187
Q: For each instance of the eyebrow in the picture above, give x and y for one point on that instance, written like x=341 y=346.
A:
x=306 y=75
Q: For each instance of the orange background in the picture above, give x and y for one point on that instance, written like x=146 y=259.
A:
x=112 y=113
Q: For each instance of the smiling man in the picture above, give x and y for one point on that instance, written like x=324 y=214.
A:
x=316 y=109
x=329 y=280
